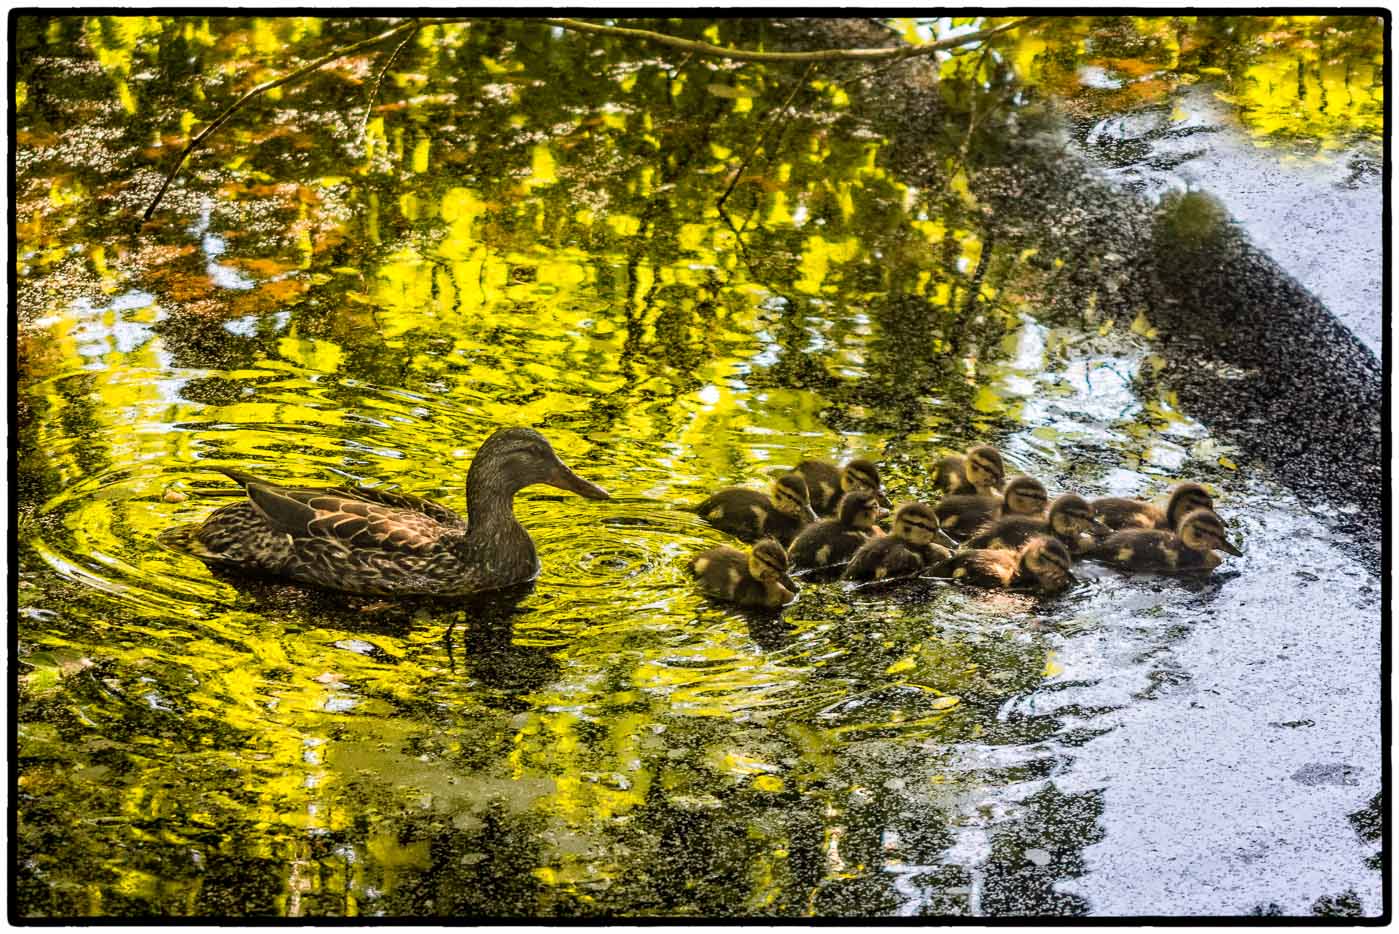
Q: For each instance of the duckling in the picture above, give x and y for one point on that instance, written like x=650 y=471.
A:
x=1070 y=517
x=750 y=515
x=908 y=550
x=827 y=483
x=758 y=578
x=1042 y=563
x=1119 y=512
x=833 y=541
x=980 y=470
x=1189 y=549
x=963 y=515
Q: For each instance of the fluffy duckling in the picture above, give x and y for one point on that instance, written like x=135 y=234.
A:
x=827 y=483
x=1120 y=512
x=1041 y=563
x=750 y=515
x=758 y=578
x=980 y=471
x=833 y=541
x=1191 y=548
x=907 y=551
x=1070 y=518
x=963 y=515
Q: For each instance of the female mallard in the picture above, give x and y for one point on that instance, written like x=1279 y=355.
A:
x=963 y=515
x=1190 y=548
x=1070 y=517
x=833 y=541
x=827 y=483
x=981 y=470
x=1119 y=512
x=907 y=551
x=750 y=515
x=390 y=544
x=758 y=578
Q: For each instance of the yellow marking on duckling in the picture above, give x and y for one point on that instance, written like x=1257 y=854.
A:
x=882 y=572
x=701 y=565
x=822 y=554
x=960 y=572
x=1126 y=553
x=826 y=490
x=735 y=575
x=761 y=514
x=1171 y=555
x=716 y=513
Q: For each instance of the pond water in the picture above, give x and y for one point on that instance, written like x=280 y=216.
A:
x=525 y=230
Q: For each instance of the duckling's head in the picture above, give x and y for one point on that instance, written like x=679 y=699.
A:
x=790 y=496
x=1071 y=515
x=1185 y=499
x=1202 y=530
x=768 y=563
x=1025 y=496
x=861 y=474
x=859 y=509
x=515 y=458
x=985 y=469
x=1049 y=561
x=917 y=524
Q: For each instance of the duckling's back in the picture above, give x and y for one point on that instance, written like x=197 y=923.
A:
x=1121 y=512
x=985 y=567
x=950 y=474
x=739 y=511
x=1152 y=550
x=824 y=543
x=961 y=515
x=822 y=484
x=1007 y=532
x=887 y=556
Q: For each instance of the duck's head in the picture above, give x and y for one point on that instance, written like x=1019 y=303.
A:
x=985 y=469
x=768 y=563
x=1025 y=496
x=859 y=509
x=917 y=524
x=1203 y=530
x=1049 y=561
x=790 y=496
x=1071 y=515
x=521 y=457
x=861 y=474
x=1185 y=499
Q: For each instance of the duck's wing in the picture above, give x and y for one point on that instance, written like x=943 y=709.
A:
x=349 y=521
x=404 y=501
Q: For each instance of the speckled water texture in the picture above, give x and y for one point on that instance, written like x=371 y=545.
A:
x=523 y=232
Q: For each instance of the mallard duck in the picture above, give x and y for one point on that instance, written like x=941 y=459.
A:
x=833 y=541
x=827 y=483
x=963 y=515
x=1191 y=548
x=1041 y=563
x=391 y=544
x=981 y=471
x=758 y=578
x=908 y=550
x=1120 y=512
x=1070 y=518
x=750 y=515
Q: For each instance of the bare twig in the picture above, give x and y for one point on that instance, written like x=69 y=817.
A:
x=266 y=86
x=820 y=55
x=782 y=112
x=691 y=46
x=379 y=81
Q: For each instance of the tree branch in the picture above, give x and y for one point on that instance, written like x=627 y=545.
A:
x=821 y=55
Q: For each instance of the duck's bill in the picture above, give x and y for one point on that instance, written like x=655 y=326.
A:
x=565 y=479
x=1099 y=527
x=948 y=538
x=882 y=499
x=808 y=514
x=786 y=581
x=1231 y=548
